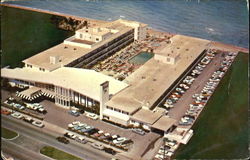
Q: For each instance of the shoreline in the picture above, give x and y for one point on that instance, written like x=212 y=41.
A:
x=214 y=44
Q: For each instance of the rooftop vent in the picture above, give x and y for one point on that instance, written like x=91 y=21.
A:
x=54 y=59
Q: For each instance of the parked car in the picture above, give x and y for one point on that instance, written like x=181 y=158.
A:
x=110 y=151
x=74 y=113
x=138 y=131
x=6 y=112
x=184 y=86
x=42 y=110
x=81 y=140
x=180 y=90
x=17 y=115
x=97 y=146
x=92 y=116
x=28 y=119
x=70 y=135
x=38 y=124
x=63 y=140
x=18 y=106
x=159 y=156
x=119 y=140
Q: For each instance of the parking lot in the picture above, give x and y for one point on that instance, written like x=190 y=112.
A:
x=181 y=106
x=58 y=118
x=63 y=118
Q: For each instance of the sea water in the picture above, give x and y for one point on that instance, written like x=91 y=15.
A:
x=219 y=20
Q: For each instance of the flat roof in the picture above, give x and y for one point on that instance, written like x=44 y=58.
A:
x=178 y=45
x=67 y=53
x=84 y=81
x=164 y=123
x=152 y=79
x=146 y=116
x=94 y=31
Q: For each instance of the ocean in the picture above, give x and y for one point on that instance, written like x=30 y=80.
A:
x=219 y=20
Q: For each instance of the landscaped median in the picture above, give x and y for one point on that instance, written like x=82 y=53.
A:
x=57 y=154
x=8 y=134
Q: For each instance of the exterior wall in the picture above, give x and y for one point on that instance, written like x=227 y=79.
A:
x=104 y=94
x=90 y=36
x=104 y=50
x=62 y=97
x=35 y=68
x=117 y=120
x=67 y=41
x=142 y=33
x=116 y=117
x=139 y=31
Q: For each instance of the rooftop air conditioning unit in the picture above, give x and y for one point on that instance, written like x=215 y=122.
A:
x=54 y=59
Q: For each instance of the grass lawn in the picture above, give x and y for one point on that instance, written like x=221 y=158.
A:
x=25 y=33
x=57 y=154
x=7 y=134
x=221 y=131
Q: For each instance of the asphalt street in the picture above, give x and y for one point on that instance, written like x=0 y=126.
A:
x=31 y=140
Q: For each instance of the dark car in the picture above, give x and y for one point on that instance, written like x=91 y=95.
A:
x=93 y=131
x=63 y=140
x=110 y=151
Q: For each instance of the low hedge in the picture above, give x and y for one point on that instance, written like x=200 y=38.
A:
x=22 y=111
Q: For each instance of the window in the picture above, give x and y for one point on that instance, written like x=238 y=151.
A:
x=80 y=35
x=42 y=69
x=125 y=112
x=97 y=39
x=28 y=65
x=168 y=59
x=117 y=110
x=110 y=108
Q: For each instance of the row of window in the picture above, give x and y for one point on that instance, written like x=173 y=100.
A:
x=118 y=110
x=42 y=69
x=109 y=53
x=28 y=65
x=114 y=47
x=99 y=49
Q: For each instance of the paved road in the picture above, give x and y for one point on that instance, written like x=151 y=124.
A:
x=19 y=152
x=39 y=137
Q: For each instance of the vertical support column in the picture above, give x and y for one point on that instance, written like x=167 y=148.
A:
x=86 y=101
x=104 y=97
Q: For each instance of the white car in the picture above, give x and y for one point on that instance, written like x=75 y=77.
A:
x=159 y=156
x=168 y=105
x=17 y=115
x=97 y=146
x=38 y=124
x=184 y=86
x=92 y=116
x=201 y=65
x=180 y=90
x=169 y=154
